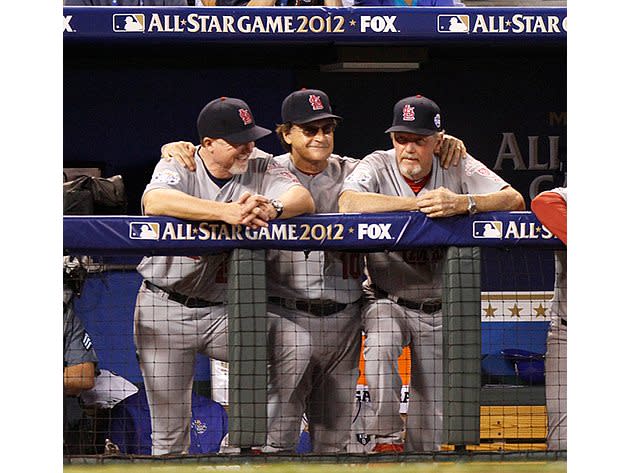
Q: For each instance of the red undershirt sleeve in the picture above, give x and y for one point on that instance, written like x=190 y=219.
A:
x=551 y=210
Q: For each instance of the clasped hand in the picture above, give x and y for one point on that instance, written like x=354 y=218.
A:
x=441 y=202
x=251 y=210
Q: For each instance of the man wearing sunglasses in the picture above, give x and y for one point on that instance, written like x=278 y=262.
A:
x=405 y=288
x=313 y=371
x=180 y=308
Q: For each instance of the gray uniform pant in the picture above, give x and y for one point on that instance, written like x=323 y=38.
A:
x=168 y=335
x=389 y=327
x=313 y=370
x=556 y=385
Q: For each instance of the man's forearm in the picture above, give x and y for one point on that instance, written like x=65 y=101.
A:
x=368 y=202
x=173 y=203
x=506 y=199
x=297 y=201
x=78 y=378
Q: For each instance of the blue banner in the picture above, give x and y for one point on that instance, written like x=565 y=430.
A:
x=317 y=24
x=135 y=235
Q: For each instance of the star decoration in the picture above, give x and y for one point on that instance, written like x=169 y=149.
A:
x=353 y=22
x=508 y=23
x=540 y=310
x=490 y=310
x=351 y=230
x=516 y=310
x=538 y=229
x=182 y=22
x=195 y=230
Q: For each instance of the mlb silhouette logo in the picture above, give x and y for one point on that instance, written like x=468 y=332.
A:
x=487 y=229
x=128 y=22
x=453 y=24
x=144 y=231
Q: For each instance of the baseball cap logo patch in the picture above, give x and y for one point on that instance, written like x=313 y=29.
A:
x=437 y=120
x=408 y=113
x=316 y=102
x=245 y=116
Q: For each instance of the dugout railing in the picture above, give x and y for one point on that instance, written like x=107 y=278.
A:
x=488 y=255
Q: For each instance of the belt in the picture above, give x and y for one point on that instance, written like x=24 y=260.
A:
x=190 y=302
x=321 y=308
x=428 y=307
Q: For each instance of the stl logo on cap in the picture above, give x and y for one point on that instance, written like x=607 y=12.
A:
x=316 y=102
x=408 y=113
x=245 y=116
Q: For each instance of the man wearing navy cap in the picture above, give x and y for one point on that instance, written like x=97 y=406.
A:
x=405 y=288
x=180 y=308
x=313 y=370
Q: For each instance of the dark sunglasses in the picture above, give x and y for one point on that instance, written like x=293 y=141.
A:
x=311 y=130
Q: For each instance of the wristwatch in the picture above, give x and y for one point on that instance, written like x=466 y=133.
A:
x=472 y=205
x=279 y=206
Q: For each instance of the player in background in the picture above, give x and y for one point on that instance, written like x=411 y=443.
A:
x=550 y=208
x=79 y=359
x=313 y=370
x=180 y=308
x=405 y=288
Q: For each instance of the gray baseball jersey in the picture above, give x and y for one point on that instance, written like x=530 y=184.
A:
x=77 y=344
x=318 y=274
x=414 y=275
x=168 y=334
x=314 y=359
x=205 y=276
x=418 y=273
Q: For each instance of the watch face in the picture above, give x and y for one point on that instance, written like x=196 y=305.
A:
x=278 y=206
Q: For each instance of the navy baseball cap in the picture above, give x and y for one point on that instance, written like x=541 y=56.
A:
x=418 y=115
x=230 y=119
x=306 y=105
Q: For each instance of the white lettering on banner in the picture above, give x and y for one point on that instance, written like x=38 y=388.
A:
x=378 y=24
x=276 y=24
x=66 y=24
x=527 y=231
x=519 y=23
x=374 y=231
x=155 y=24
x=515 y=230
x=226 y=232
